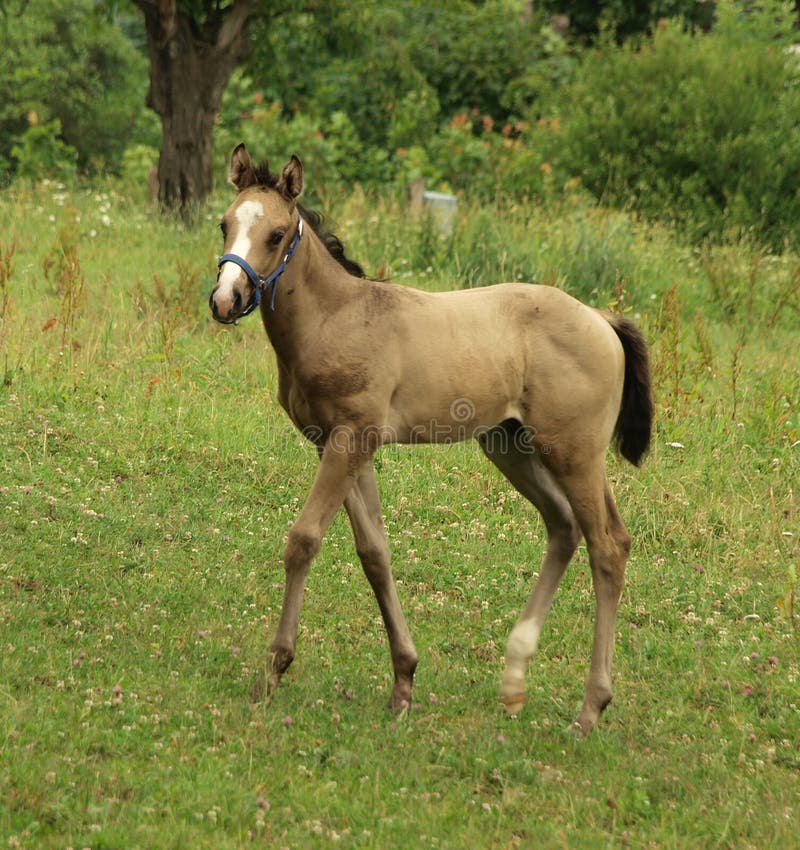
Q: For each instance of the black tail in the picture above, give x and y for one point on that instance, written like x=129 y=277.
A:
x=635 y=420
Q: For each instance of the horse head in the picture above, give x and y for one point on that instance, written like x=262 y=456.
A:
x=260 y=231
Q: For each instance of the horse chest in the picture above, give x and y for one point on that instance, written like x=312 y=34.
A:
x=319 y=402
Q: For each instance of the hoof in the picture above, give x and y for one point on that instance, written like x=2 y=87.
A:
x=582 y=727
x=259 y=690
x=264 y=687
x=513 y=704
x=399 y=705
x=272 y=683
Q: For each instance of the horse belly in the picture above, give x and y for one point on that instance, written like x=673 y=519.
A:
x=446 y=400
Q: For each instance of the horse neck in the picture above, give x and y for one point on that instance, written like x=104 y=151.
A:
x=313 y=286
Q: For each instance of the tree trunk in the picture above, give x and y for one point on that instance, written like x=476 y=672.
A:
x=191 y=62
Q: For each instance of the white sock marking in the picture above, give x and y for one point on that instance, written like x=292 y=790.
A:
x=521 y=645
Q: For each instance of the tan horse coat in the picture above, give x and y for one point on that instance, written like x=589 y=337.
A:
x=543 y=382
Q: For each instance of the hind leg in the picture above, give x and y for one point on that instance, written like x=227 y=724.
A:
x=523 y=468
x=608 y=543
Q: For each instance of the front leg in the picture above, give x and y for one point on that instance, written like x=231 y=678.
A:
x=338 y=470
x=363 y=506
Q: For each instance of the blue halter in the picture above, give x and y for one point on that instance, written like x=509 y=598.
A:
x=260 y=282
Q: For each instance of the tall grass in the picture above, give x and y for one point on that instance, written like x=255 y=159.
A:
x=148 y=480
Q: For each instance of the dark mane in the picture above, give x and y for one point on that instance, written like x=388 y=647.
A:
x=265 y=178
x=331 y=241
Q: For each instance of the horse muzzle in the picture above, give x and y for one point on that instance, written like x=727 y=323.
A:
x=228 y=311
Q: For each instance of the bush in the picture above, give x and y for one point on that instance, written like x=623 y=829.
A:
x=64 y=62
x=41 y=153
x=331 y=149
x=696 y=128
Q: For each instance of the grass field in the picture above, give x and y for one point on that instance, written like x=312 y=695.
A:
x=148 y=481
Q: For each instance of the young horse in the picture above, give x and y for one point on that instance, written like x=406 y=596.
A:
x=543 y=382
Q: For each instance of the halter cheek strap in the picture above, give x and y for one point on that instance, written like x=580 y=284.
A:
x=261 y=282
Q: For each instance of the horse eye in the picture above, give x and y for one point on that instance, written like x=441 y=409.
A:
x=276 y=238
x=224 y=228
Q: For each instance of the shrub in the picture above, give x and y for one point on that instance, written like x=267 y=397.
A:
x=41 y=152
x=696 y=128
x=64 y=62
x=331 y=149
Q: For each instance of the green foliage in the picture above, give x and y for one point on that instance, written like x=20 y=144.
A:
x=377 y=62
x=42 y=153
x=367 y=86
x=696 y=129
x=470 y=53
x=699 y=129
x=685 y=126
x=415 y=118
x=64 y=62
x=330 y=147
x=137 y=161
x=587 y=18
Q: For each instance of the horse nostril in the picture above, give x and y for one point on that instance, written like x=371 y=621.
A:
x=237 y=301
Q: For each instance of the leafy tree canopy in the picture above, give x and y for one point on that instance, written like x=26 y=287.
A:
x=65 y=66
x=627 y=18
x=365 y=59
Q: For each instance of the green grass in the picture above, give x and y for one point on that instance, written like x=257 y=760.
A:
x=148 y=481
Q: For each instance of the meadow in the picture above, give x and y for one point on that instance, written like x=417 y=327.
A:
x=147 y=481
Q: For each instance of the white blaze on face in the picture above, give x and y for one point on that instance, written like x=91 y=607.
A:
x=247 y=215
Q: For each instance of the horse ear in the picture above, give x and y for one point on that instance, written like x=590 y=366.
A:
x=241 y=172
x=291 y=180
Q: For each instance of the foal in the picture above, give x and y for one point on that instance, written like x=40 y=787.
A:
x=543 y=382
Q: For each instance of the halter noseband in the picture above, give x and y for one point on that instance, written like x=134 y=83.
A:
x=260 y=282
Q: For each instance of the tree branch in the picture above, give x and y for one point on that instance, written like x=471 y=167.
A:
x=236 y=18
x=167 y=11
